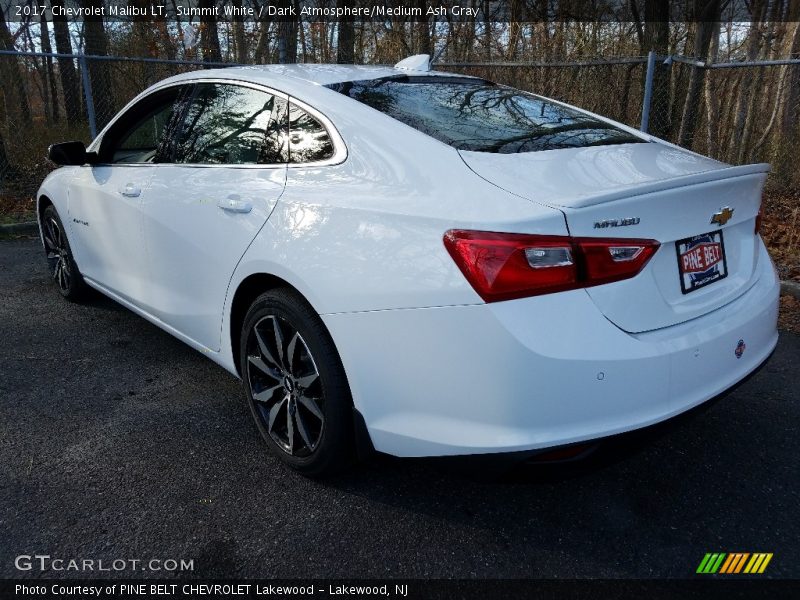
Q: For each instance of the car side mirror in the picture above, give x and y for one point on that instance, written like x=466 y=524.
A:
x=71 y=153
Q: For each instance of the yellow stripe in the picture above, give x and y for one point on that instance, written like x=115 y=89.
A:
x=759 y=558
x=741 y=562
x=765 y=563
x=728 y=561
x=751 y=563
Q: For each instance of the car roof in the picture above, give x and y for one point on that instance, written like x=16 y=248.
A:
x=296 y=78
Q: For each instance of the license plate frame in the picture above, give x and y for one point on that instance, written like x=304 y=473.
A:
x=692 y=281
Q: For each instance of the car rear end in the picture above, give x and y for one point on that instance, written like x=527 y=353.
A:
x=660 y=296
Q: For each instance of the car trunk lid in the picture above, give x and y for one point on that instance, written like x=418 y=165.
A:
x=649 y=191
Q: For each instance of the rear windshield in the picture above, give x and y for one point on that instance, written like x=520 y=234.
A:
x=474 y=114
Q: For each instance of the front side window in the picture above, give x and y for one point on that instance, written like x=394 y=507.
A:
x=233 y=125
x=474 y=114
x=138 y=135
x=308 y=139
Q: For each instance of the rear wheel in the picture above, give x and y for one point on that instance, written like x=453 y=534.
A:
x=295 y=384
x=59 y=256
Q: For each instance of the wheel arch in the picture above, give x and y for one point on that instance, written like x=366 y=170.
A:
x=250 y=288
x=42 y=202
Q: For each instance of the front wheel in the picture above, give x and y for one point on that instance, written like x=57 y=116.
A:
x=59 y=256
x=295 y=384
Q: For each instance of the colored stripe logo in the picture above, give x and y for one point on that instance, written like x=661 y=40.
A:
x=734 y=562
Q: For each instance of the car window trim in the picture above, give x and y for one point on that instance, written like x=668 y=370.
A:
x=339 y=153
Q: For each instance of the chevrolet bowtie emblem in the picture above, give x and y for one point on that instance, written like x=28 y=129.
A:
x=723 y=216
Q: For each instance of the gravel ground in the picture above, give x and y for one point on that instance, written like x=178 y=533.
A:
x=118 y=441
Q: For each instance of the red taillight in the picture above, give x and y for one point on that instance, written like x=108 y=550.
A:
x=503 y=266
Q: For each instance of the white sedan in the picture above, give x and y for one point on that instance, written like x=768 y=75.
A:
x=422 y=263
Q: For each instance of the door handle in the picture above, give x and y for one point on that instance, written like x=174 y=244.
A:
x=235 y=205
x=131 y=190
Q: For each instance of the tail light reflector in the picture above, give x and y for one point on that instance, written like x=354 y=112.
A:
x=503 y=266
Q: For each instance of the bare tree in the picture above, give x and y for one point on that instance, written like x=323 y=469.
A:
x=786 y=139
x=262 y=43
x=423 y=31
x=96 y=44
x=345 y=48
x=54 y=114
x=709 y=14
x=7 y=170
x=16 y=97
x=287 y=36
x=209 y=33
x=66 y=66
x=239 y=39
x=758 y=12
x=655 y=37
x=712 y=99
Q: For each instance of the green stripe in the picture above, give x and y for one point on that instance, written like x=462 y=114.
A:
x=701 y=568
x=711 y=566
x=718 y=564
x=711 y=562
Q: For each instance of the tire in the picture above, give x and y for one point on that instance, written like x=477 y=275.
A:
x=59 y=257
x=295 y=384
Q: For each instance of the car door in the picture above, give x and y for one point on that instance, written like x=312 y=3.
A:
x=105 y=198
x=227 y=168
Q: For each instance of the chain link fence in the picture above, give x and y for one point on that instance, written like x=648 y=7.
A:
x=735 y=113
x=48 y=99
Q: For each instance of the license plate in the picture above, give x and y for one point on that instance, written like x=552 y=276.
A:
x=701 y=260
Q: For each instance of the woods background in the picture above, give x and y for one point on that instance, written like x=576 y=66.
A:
x=592 y=55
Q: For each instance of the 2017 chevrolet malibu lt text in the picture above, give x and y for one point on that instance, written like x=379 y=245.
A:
x=429 y=263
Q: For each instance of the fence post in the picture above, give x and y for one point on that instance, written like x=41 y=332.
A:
x=87 y=93
x=648 y=90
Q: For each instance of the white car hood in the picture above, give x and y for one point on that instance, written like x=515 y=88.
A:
x=577 y=177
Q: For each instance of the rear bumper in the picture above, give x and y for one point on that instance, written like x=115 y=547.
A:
x=540 y=372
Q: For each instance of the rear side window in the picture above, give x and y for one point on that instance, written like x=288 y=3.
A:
x=309 y=141
x=232 y=125
x=474 y=114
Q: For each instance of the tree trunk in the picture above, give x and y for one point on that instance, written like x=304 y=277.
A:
x=209 y=34
x=7 y=170
x=55 y=115
x=514 y=28
x=345 y=48
x=262 y=45
x=287 y=36
x=14 y=84
x=239 y=40
x=66 y=67
x=423 y=31
x=786 y=139
x=487 y=30
x=745 y=93
x=40 y=66
x=712 y=101
x=705 y=28
x=656 y=37
x=96 y=43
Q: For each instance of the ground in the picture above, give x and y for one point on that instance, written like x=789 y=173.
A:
x=780 y=229
x=117 y=440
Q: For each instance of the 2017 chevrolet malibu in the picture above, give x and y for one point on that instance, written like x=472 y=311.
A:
x=423 y=262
